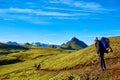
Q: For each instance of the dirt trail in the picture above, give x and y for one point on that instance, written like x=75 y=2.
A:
x=112 y=64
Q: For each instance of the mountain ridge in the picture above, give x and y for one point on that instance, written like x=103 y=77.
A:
x=74 y=44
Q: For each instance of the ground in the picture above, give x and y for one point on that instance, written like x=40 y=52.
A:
x=58 y=64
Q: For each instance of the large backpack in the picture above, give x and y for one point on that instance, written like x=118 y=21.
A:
x=106 y=44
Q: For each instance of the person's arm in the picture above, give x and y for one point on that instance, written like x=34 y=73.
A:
x=98 y=47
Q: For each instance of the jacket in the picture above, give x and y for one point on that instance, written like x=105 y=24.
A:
x=99 y=47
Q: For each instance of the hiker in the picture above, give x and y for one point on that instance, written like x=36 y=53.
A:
x=100 y=52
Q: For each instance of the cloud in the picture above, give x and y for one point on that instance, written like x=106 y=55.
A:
x=36 y=12
x=88 y=5
x=39 y=22
x=80 y=4
x=31 y=15
x=54 y=13
x=20 y=10
x=60 y=1
x=34 y=15
x=68 y=9
x=75 y=10
x=14 y=17
x=26 y=18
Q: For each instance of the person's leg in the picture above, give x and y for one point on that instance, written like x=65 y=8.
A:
x=102 y=62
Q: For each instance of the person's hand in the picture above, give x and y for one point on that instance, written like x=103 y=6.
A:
x=96 y=54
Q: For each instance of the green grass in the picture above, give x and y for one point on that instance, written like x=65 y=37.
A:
x=4 y=60
x=69 y=62
x=31 y=57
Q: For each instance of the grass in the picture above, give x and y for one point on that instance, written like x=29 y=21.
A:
x=4 y=60
x=57 y=64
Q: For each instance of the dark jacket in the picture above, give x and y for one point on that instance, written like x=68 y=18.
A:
x=99 y=47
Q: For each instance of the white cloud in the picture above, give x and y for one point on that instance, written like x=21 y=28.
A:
x=39 y=22
x=80 y=11
x=80 y=4
x=83 y=9
x=36 y=12
x=90 y=5
x=67 y=9
x=20 y=10
x=53 y=13
x=61 y=1
x=31 y=15
x=28 y=18
x=14 y=17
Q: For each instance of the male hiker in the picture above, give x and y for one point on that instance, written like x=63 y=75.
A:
x=100 y=52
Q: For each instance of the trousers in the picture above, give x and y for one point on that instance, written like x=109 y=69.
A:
x=102 y=61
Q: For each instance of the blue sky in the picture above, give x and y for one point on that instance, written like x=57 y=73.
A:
x=57 y=21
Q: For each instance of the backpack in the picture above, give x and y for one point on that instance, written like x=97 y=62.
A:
x=106 y=45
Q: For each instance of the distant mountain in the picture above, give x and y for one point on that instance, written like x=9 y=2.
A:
x=29 y=44
x=74 y=44
x=13 y=43
x=43 y=44
x=7 y=46
x=40 y=44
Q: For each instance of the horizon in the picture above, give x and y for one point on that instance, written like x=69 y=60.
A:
x=53 y=43
x=57 y=21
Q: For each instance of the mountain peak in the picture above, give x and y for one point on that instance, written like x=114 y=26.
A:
x=74 y=44
x=13 y=43
x=74 y=38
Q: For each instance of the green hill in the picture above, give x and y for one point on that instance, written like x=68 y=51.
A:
x=57 y=64
x=84 y=57
x=7 y=47
x=74 y=44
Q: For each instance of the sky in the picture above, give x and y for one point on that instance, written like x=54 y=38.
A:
x=57 y=21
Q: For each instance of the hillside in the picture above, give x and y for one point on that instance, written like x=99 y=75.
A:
x=9 y=47
x=74 y=44
x=59 y=64
x=6 y=49
x=85 y=56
